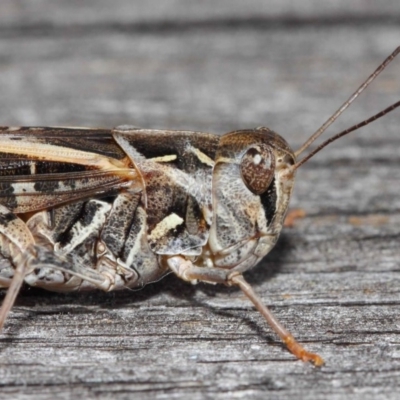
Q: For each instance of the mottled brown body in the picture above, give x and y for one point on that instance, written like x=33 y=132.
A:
x=110 y=209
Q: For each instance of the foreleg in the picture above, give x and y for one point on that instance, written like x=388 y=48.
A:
x=189 y=272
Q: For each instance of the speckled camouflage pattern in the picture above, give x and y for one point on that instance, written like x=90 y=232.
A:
x=110 y=209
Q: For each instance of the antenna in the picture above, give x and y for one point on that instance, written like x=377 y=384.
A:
x=346 y=104
x=345 y=132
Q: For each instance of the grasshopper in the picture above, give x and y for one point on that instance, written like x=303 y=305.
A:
x=85 y=209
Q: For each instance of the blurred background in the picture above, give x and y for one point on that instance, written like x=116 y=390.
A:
x=184 y=64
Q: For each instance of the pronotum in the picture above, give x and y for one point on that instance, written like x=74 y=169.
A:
x=112 y=209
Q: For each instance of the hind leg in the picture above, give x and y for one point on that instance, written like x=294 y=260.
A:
x=84 y=261
x=16 y=244
x=19 y=257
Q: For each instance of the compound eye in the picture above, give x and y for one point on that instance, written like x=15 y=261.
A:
x=258 y=168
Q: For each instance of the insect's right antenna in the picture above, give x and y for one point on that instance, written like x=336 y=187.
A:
x=343 y=133
x=347 y=103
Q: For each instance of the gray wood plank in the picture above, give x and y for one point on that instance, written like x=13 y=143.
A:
x=89 y=13
x=333 y=278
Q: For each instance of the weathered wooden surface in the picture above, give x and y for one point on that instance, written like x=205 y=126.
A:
x=333 y=278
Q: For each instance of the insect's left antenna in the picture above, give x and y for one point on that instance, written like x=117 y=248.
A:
x=347 y=103
x=343 y=133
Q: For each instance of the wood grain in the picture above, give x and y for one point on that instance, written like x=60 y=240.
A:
x=333 y=278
